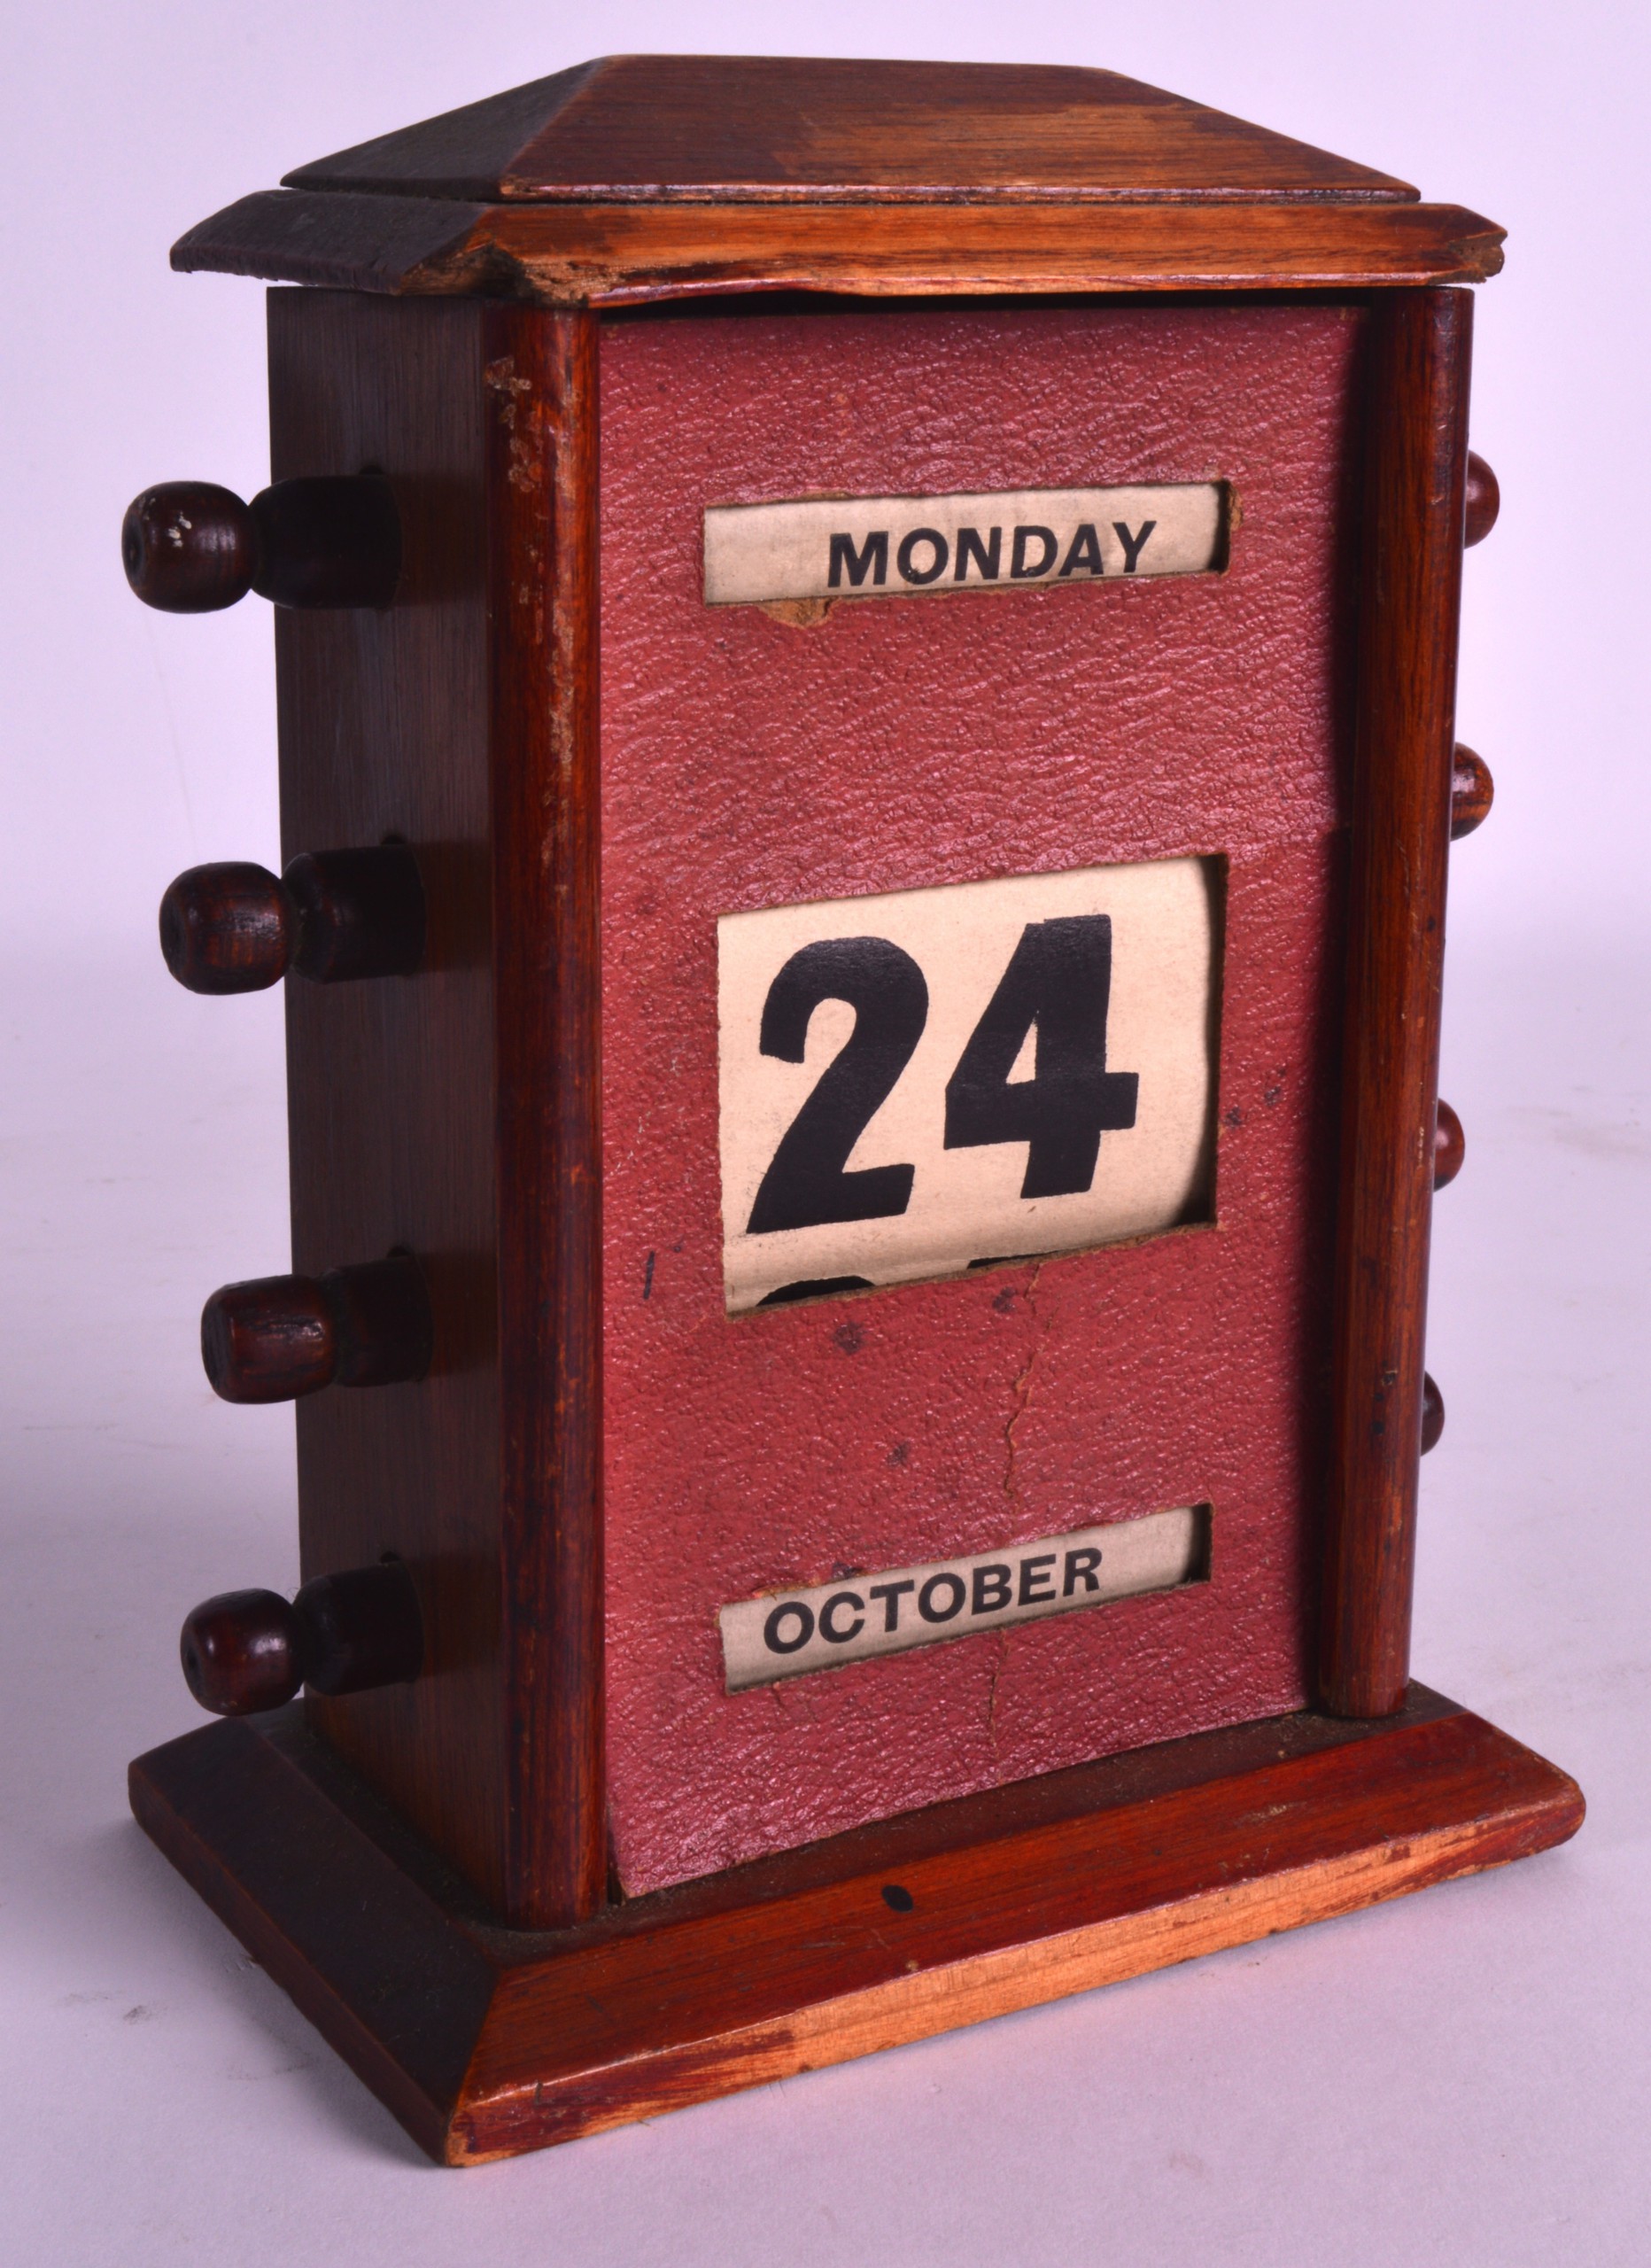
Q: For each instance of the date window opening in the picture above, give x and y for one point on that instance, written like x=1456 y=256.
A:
x=920 y=1084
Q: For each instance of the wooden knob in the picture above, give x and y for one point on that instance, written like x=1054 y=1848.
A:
x=1472 y=791
x=278 y=1338
x=1485 y=501
x=189 y=547
x=1432 y=1414
x=246 y=1650
x=270 y=1340
x=240 y=1652
x=1450 y=1146
x=333 y=916
x=227 y=929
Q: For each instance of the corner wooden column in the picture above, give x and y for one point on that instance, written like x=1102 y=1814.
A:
x=1410 y=594
x=539 y=373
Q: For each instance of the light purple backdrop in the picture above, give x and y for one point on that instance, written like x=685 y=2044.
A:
x=1461 y=2079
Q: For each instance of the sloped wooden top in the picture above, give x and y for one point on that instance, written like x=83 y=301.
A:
x=653 y=177
x=692 y=128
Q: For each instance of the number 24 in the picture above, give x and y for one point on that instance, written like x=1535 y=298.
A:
x=1059 y=979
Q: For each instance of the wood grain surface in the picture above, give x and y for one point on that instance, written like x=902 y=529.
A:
x=452 y=1112
x=1416 y=464
x=485 y=2042
x=665 y=127
x=639 y=177
x=383 y=727
x=540 y=378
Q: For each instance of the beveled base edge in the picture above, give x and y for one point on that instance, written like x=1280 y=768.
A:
x=485 y=2042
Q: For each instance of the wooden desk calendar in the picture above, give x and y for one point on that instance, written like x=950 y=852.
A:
x=866 y=665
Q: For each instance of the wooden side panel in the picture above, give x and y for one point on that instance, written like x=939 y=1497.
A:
x=1411 y=595
x=384 y=731
x=540 y=378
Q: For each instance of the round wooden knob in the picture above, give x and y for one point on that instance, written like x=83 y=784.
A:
x=1472 y=791
x=1484 y=502
x=349 y=1632
x=227 y=929
x=278 y=1337
x=270 y=1340
x=240 y=1651
x=1450 y=1146
x=188 y=547
x=334 y=540
x=333 y=916
x=1432 y=1414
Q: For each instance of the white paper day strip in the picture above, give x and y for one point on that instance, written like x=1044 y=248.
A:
x=926 y=547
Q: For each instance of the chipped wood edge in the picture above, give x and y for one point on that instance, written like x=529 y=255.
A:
x=498 y=256
x=617 y=255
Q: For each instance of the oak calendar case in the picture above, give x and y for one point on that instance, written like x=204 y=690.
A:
x=867 y=770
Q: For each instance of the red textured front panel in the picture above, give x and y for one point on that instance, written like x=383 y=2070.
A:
x=751 y=761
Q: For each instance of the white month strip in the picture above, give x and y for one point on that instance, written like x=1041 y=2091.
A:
x=787 y=1633
x=925 y=547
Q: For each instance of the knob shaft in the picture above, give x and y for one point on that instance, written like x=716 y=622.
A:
x=1472 y=791
x=246 y=1650
x=333 y=916
x=1450 y=1146
x=1432 y=1414
x=189 y=547
x=1484 y=500
x=359 y=912
x=360 y=1629
x=278 y=1337
x=331 y=542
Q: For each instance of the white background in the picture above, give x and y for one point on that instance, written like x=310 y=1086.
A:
x=1461 y=2079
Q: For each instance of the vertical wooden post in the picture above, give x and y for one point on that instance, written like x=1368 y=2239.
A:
x=539 y=371
x=1410 y=592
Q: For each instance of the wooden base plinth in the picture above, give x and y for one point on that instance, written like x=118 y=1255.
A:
x=485 y=2041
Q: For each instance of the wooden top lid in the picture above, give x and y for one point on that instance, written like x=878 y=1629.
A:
x=715 y=127
x=648 y=177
